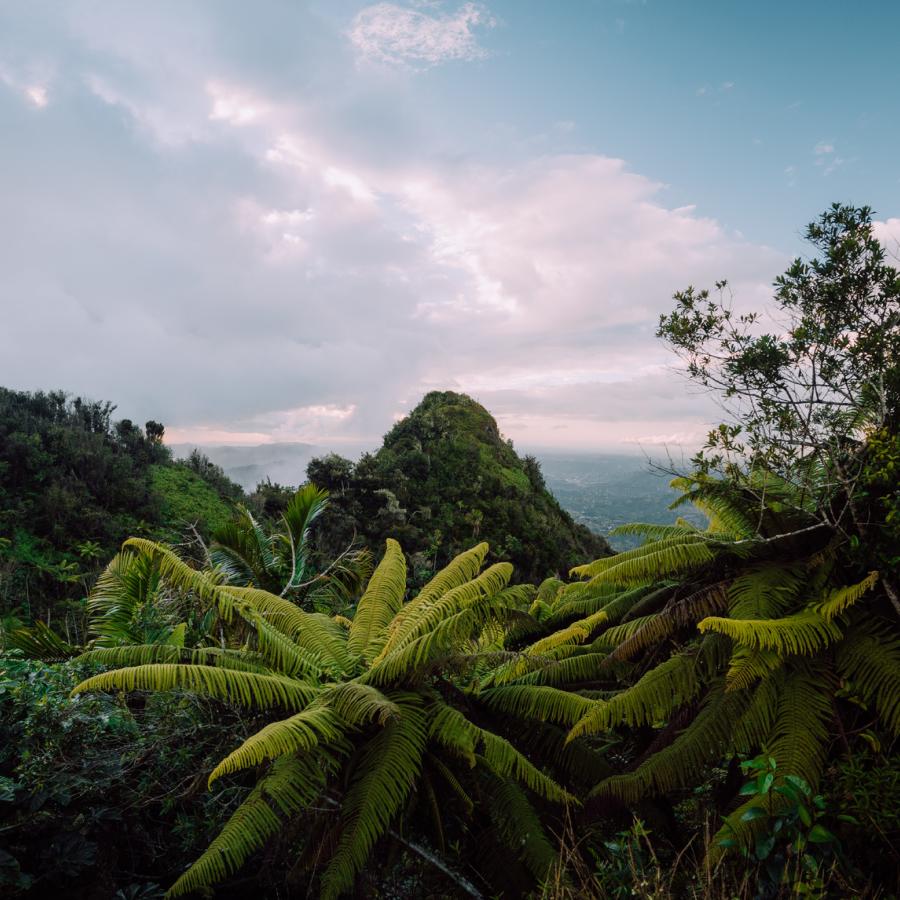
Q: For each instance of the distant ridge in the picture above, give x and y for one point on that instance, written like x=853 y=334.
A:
x=248 y=465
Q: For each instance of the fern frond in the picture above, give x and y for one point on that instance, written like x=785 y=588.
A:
x=706 y=739
x=719 y=501
x=458 y=571
x=546 y=704
x=290 y=785
x=383 y=779
x=576 y=633
x=752 y=731
x=749 y=665
x=448 y=635
x=657 y=564
x=677 y=615
x=518 y=825
x=672 y=552
x=798 y=743
x=505 y=761
x=450 y=729
x=654 y=696
x=452 y=781
x=652 y=531
x=248 y=689
x=803 y=633
x=765 y=591
x=869 y=657
x=582 y=668
x=358 y=703
x=801 y=734
x=843 y=598
x=314 y=633
x=381 y=601
x=315 y=725
x=548 y=590
x=427 y=617
x=144 y=654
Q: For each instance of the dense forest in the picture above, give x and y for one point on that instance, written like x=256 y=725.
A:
x=415 y=676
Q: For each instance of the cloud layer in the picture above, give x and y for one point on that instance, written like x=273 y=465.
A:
x=203 y=239
x=400 y=35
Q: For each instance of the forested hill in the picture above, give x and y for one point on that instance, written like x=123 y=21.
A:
x=74 y=483
x=444 y=479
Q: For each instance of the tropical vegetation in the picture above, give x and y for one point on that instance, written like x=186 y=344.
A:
x=714 y=712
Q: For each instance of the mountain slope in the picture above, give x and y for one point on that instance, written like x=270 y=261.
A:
x=444 y=479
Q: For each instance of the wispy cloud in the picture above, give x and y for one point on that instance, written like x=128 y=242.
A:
x=400 y=35
x=709 y=90
x=827 y=158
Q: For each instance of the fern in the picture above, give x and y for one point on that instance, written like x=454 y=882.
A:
x=291 y=784
x=869 y=657
x=379 y=604
x=248 y=689
x=841 y=599
x=385 y=776
x=654 y=696
x=314 y=726
x=546 y=704
x=519 y=827
x=803 y=633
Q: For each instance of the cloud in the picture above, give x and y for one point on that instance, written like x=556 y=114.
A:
x=827 y=158
x=238 y=255
x=888 y=233
x=400 y=35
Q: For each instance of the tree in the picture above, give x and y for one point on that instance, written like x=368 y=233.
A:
x=804 y=399
x=770 y=631
x=281 y=561
x=376 y=712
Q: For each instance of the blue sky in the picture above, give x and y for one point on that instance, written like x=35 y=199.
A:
x=286 y=221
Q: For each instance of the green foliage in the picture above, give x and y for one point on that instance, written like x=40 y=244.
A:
x=370 y=723
x=88 y=801
x=186 y=499
x=443 y=479
x=73 y=485
x=791 y=844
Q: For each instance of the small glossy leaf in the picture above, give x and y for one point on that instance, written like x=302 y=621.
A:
x=820 y=835
x=755 y=812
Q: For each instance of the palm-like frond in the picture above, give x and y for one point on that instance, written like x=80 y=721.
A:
x=546 y=704
x=290 y=785
x=384 y=778
x=841 y=599
x=144 y=654
x=381 y=601
x=307 y=504
x=249 y=689
x=457 y=572
x=314 y=726
x=655 y=695
x=802 y=633
x=40 y=642
x=870 y=658
x=519 y=827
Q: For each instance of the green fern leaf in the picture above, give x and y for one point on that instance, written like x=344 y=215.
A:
x=379 y=604
x=249 y=689
x=803 y=633
x=384 y=777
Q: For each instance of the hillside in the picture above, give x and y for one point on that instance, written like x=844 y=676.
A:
x=444 y=479
x=74 y=483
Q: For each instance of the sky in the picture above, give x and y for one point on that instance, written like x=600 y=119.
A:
x=287 y=221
